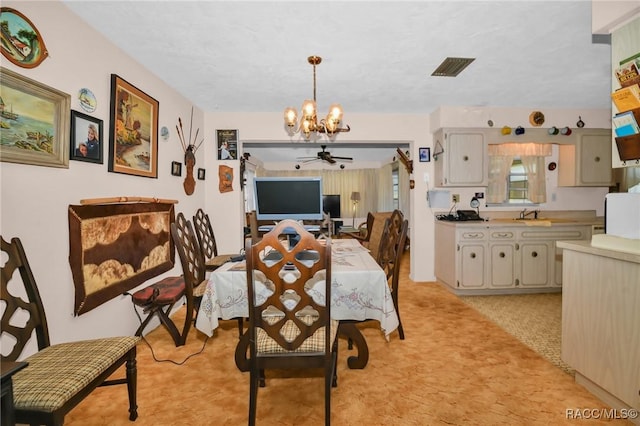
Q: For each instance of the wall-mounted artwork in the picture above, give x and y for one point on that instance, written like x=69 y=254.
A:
x=116 y=247
x=227 y=144
x=86 y=138
x=22 y=44
x=34 y=120
x=133 y=130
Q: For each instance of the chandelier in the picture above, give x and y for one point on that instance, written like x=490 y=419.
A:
x=308 y=123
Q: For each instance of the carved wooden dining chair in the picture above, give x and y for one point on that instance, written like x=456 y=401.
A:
x=392 y=248
x=58 y=377
x=289 y=292
x=372 y=232
x=207 y=241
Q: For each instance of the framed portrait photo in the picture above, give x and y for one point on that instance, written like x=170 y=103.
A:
x=133 y=130
x=86 y=138
x=424 y=154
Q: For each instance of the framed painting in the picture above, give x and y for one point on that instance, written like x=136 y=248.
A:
x=227 y=144
x=34 y=120
x=116 y=247
x=201 y=174
x=22 y=43
x=133 y=130
x=86 y=138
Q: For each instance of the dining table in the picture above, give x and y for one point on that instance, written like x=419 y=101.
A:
x=359 y=291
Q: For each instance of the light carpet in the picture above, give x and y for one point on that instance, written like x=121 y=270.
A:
x=534 y=319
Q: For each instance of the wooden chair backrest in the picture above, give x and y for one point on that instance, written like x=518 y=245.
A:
x=20 y=330
x=205 y=235
x=374 y=233
x=393 y=247
x=294 y=274
x=191 y=258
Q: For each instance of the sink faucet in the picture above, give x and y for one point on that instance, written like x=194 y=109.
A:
x=524 y=213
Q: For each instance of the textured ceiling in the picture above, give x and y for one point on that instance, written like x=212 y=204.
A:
x=239 y=56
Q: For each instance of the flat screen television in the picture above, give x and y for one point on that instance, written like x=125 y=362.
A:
x=279 y=198
x=331 y=205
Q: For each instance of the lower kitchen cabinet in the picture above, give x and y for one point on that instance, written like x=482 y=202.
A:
x=493 y=259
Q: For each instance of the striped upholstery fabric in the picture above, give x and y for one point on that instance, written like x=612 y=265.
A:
x=315 y=343
x=57 y=373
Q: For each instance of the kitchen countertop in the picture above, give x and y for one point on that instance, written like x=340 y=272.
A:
x=512 y=222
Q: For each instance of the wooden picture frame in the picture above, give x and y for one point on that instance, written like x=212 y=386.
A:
x=424 y=154
x=86 y=138
x=133 y=130
x=201 y=174
x=41 y=140
x=22 y=43
x=176 y=168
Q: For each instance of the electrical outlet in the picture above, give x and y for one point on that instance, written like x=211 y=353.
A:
x=455 y=198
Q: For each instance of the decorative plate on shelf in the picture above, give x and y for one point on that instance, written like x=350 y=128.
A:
x=536 y=118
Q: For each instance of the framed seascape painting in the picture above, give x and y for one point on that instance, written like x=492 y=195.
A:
x=86 y=138
x=133 y=130
x=34 y=121
x=22 y=44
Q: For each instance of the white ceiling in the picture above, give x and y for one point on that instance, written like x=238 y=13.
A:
x=239 y=56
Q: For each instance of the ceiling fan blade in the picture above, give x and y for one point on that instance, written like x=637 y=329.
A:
x=342 y=158
x=329 y=159
x=310 y=160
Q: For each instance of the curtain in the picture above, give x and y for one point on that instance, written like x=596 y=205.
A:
x=500 y=161
x=534 y=167
x=499 y=168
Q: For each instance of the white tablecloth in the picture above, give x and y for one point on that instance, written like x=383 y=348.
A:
x=359 y=290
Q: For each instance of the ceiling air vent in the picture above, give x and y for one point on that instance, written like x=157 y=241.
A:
x=451 y=67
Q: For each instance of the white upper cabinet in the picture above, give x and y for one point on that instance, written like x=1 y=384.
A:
x=460 y=157
x=587 y=163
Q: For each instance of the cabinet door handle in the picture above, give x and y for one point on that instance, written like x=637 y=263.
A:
x=517 y=246
x=472 y=255
x=534 y=254
x=597 y=159
x=465 y=158
x=501 y=254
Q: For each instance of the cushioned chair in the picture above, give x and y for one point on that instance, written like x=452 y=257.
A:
x=289 y=292
x=207 y=241
x=58 y=377
x=392 y=248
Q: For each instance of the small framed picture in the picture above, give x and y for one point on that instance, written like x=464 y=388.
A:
x=227 y=144
x=86 y=138
x=424 y=154
x=176 y=168
x=201 y=173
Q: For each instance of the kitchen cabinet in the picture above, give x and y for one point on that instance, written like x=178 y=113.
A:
x=461 y=158
x=460 y=259
x=493 y=259
x=587 y=162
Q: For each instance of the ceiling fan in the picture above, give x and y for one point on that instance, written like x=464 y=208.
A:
x=324 y=156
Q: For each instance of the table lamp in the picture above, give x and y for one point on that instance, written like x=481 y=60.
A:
x=355 y=197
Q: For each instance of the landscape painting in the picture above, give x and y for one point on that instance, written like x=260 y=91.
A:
x=34 y=121
x=133 y=133
x=21 y=41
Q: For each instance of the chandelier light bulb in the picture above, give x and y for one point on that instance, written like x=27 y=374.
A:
x=290 y=117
